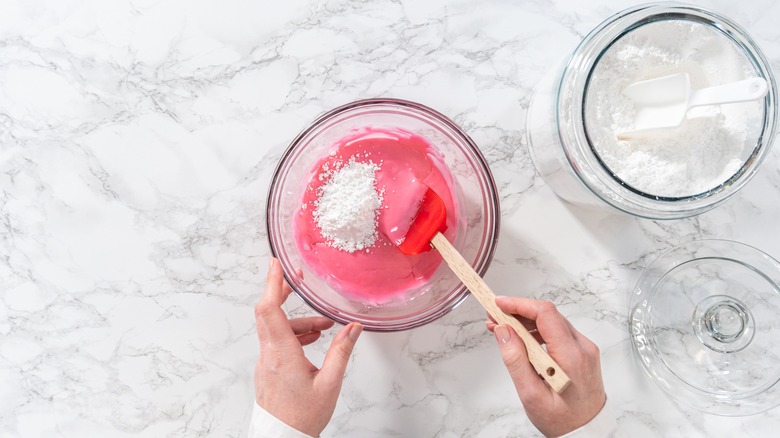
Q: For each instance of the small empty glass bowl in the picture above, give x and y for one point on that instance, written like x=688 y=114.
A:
x=705 y=326
x=474 y=188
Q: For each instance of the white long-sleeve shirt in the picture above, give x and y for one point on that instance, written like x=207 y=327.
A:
x=265 y=425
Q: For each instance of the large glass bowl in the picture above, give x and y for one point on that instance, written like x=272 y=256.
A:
x=560 y=143
x=705 y=326
x=474 y=189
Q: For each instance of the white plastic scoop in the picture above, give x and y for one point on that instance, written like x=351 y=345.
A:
x=663 y=103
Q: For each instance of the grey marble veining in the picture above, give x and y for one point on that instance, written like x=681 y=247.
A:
x=137 y=141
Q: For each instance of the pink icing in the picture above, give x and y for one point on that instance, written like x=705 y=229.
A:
x=408 y=165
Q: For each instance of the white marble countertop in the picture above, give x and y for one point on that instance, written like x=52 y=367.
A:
x=137 y=140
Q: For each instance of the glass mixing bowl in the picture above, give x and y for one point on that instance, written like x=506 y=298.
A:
x=705 y=320
x=474 y=188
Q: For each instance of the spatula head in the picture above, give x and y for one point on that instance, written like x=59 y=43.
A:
x=431 y=218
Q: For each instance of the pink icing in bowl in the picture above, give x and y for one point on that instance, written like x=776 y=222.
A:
x=405 y=165
x=375 y=296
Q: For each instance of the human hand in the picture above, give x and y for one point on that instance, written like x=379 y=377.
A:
x=287 y=384
x=552 y=413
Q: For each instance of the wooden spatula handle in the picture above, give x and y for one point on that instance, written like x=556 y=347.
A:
x=542 y=362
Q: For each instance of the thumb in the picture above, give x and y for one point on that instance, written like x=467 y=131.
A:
x=335 y=364
x=515 y=356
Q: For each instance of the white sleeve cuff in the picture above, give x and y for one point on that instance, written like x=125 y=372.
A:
x=604 y=424
x=265 y=425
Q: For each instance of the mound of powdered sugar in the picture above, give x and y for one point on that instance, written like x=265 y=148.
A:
x=347 y=209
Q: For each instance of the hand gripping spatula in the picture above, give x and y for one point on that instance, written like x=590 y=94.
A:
x=426 y=232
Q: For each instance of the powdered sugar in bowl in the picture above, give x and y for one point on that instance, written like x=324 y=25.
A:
x=576 y=115
x=340 y=189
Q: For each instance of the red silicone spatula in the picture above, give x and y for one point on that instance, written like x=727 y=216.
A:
x=426 y=232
